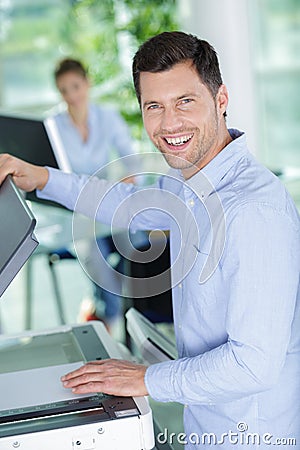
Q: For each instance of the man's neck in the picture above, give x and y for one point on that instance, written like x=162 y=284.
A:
x=211 y=154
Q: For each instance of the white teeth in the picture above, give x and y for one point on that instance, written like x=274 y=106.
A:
x=179 y=140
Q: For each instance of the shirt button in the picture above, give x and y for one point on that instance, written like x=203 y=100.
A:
x=191 y=203
x=180 y=286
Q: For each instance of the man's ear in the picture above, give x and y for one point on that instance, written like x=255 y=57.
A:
x=222 y=99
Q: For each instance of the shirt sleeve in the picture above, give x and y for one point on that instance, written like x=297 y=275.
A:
x=260 y=265
x=62 y=187
x=117 y=204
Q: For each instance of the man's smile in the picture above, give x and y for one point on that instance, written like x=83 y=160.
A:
x=177 y=143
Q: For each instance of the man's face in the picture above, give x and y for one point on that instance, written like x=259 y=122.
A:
x=181 y=117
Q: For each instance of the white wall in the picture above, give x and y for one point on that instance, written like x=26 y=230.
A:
x=225 y=25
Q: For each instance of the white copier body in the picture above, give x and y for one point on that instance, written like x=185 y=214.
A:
x=37 y=413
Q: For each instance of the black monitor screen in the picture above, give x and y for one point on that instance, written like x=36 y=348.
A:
x=26 y=139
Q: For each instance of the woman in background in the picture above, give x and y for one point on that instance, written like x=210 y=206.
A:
x=90 y=134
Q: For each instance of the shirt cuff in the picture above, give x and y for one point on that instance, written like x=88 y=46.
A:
x=159 y=381
x=48 y=188
x=59 y=183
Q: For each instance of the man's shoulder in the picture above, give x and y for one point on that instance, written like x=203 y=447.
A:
x=252 y=186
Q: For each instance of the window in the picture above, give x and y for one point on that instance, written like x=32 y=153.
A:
x=276 y=32
x=30 y=43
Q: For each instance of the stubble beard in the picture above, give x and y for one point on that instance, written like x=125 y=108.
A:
x=193 y=157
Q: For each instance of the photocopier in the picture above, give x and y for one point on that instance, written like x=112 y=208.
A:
x=36 y=411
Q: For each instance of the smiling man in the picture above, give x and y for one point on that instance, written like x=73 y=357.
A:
x=184 y=121
x=235 y=272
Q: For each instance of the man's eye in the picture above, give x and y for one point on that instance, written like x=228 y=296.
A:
x=186 y=100
x=154 y=106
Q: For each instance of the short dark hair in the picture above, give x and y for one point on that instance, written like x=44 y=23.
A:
x=163 y=51
x=69 y=65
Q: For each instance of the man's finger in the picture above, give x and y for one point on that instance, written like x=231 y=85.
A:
x=88 y=367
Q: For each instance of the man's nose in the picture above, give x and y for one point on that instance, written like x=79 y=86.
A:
x=171 y=119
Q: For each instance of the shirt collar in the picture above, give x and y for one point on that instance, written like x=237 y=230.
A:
x=204 y=182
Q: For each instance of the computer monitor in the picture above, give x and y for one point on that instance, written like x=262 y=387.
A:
x=153 y=346
x=17 y=239
x=33 y=140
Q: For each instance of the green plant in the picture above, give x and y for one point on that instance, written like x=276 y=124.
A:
x=105 y=34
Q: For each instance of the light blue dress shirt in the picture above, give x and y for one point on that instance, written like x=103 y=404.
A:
x=108 y=136
x=235 y=257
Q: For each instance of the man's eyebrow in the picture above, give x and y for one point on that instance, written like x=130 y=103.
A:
x=188 y=94
x=150 y=102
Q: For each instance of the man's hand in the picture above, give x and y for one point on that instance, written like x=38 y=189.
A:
x=26 y=176
x=110 y=376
